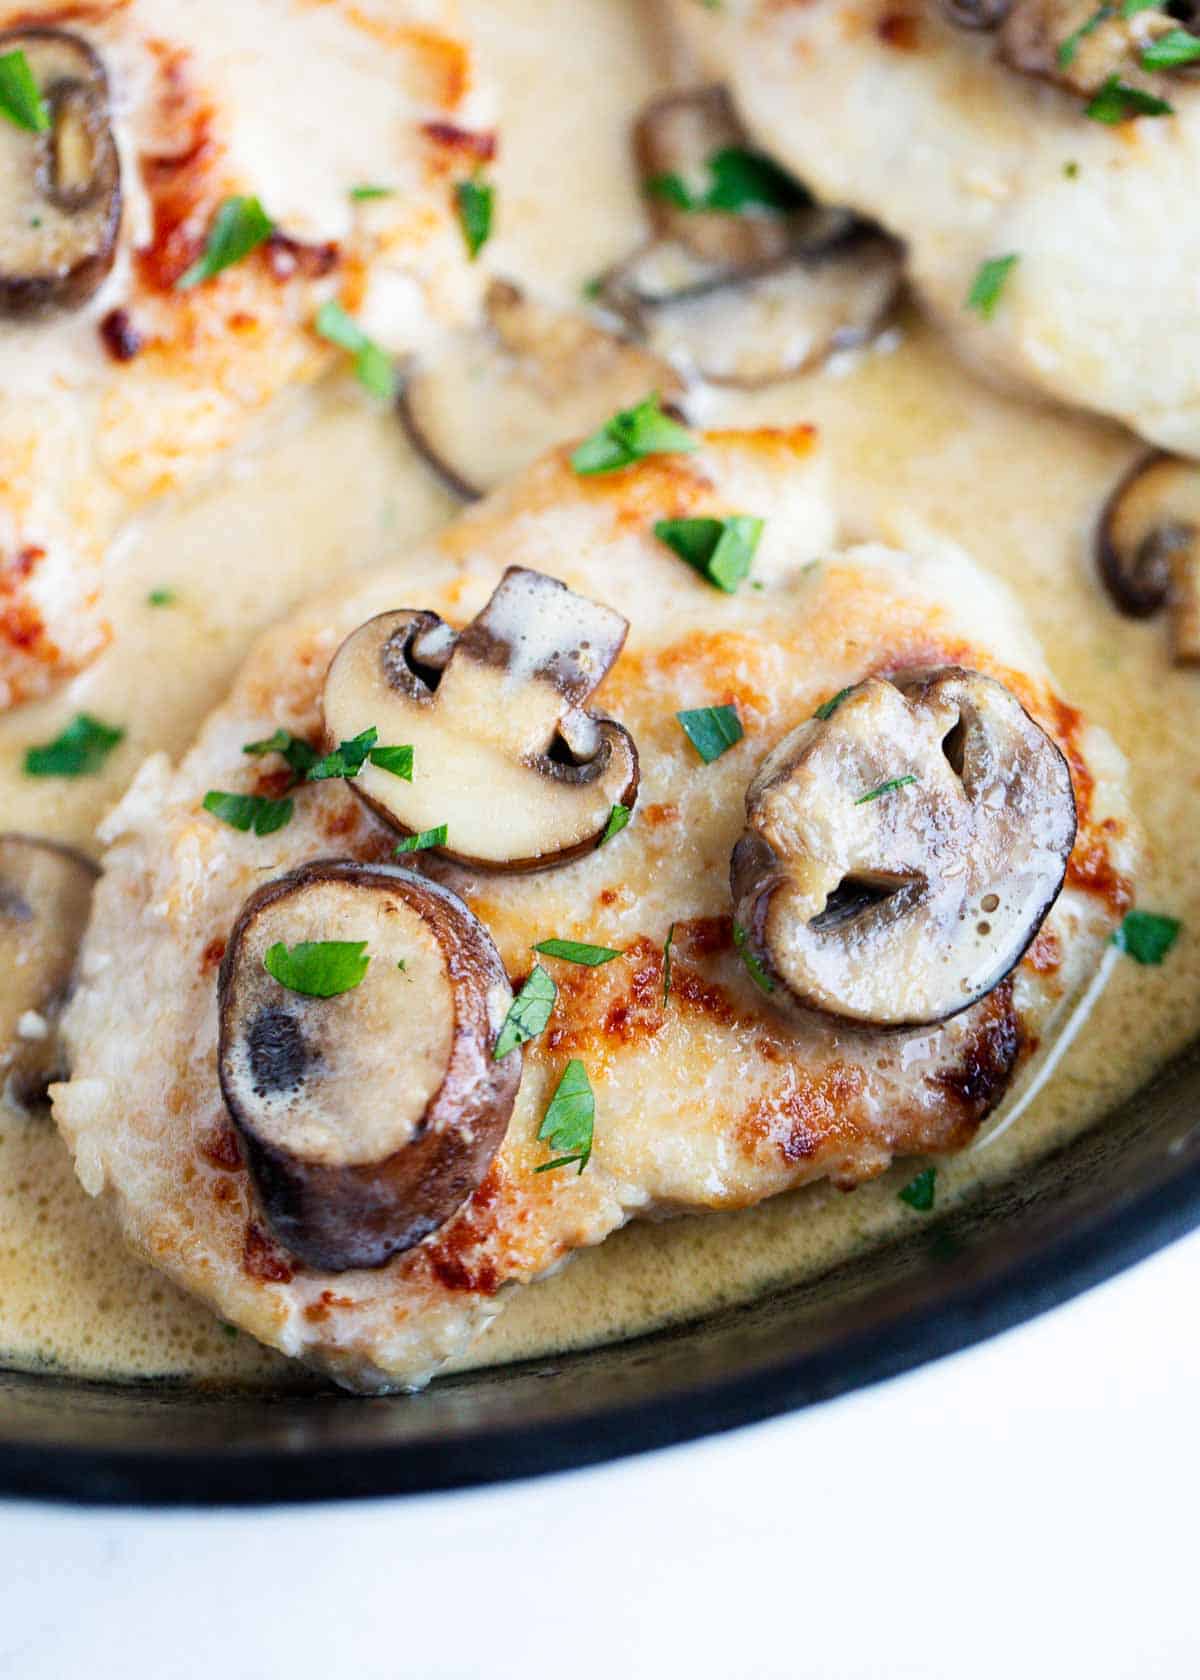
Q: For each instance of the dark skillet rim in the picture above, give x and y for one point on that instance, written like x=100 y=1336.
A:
x=1014 y=1292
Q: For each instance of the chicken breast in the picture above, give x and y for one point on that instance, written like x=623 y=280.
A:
x=708 y=1095
x=138 y=389
x=974 y=144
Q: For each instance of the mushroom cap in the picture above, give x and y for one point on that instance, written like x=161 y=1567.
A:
x=60 y=190
x=367 y=1117
x=503 y=753
x=901 y=853
x=45 y=896
x=1153 y=512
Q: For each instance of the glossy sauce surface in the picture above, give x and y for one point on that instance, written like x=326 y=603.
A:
x=916 y=447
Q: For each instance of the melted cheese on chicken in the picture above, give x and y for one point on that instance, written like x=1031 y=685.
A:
x=708 y=1099
x=892 y=110
x=144 y=389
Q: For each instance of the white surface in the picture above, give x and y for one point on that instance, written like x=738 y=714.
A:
x=1024 y=1509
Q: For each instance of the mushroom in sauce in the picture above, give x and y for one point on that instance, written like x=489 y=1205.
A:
x=45 y=895
x=61 y=194
x=1078 y=44
x=369 y=1107
x=746 y=279
x=902 y=848
x=503 y=752
x=499 y=397
x=1148 y=547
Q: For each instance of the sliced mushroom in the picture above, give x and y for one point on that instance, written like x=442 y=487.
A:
x=60 y=190
x=1077 y=44
x=503 y=753
x=498 y=398
x=977 y=14
x=45 y=893
x=1148 y=545
x=368 y=1117
x=901 y=852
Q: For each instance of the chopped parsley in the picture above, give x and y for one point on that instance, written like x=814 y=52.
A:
x=1071 y=169
x=738 y=179
x=631 y=435
x=1175 y=47
x=373 y=367
x=249 y=811
x=320 y=968
x=20 y=99
x=592 y=288
x=347 y=759
x=827 y=708
x=618 y=818
x=988 y=284
x=1146 y=937
x=363 y=194
x=889 y=786
x=570 y=1119
x=299 y=756
x=240 y=226
x=1117 y=101
x=667 y=943
x=528 y=1013
x=754 y=968
x=422 y=842
x=919 y=1192
x=161 y=598
x=79 y=751
x=721 y=550
x=712 y=730
x=571 y=950
x=1131 y=8
x=475 y=202
x=1069 y=48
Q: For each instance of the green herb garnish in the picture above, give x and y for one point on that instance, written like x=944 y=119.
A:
x=1146 y=937
x=1178 y=46
x=721 y=550
x=667 y=943
x=1071 y=169
x=240 y=226
x=618 y=818
x=1070 y=47
x=712 y=730
x=889 y=786
x=475 y=201
x=738 y=179
x=919 y=1192
x=348 y=758
x=422 y=842
x=367 y=191
x=570 y=1119
x=826 y=710
x=161 y=598
x=754 y=968
x=1117 y=101
x=630 y=436
x=373 y=367
x=20 y=99
x=319 y=968
x=249 y=811
x=299 y=755
x=527 y=1013
x=988 y=284
x=79 y=751
x=571 y=950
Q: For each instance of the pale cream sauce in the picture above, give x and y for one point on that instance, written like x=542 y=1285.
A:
x=917 y=447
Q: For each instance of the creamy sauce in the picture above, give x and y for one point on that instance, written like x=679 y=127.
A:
x=917 y=447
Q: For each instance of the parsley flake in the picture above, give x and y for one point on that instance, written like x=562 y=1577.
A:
x=712 y=730
x=1177 y=46
x=373 y=367
x=528 y=1013
x=161 y=598
x=422 y=842
x=346 y=760
x=919 y=1192
x=571 y=950
x=569 y=1121
x=1070 y=47
x=20 y=99
x=721 y=550
x=475 y=201
x=79 y=751
x=249 y=811
x=320 y=968
x=738 y=179
x=631 y=435
x=618 y=818
x=667 y=943
x=299 y=755
x=1146 y=937
x=988 y=284
x=240 y=226
x=827 y=708
x=366 y=192
x=889 y=786
x=1117 y=101
x=754 y=968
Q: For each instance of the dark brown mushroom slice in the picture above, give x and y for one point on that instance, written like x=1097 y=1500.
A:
x=1148 y=546
x=45 y=895
x=498 y=397
x=751 y=327
x=1078 y=45
x=976 y=14
x=504 y=753
x=60 y=198
x=367 y=1118
x=901 y=853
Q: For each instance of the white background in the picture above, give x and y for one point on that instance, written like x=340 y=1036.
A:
x=1025 y=1509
